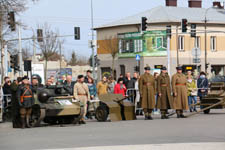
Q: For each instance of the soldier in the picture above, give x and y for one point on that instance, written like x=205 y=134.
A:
x=179 y=87
x=81 y=93
x=35 y=83
x=26 y=101
x=147 y=92
x=164 y=101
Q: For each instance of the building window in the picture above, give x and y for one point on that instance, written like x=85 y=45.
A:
x=197 y=42
x=213 y=43
x=137 y=46
x=181 y=43
x=126 y=46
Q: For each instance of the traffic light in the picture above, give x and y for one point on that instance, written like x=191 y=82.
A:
x=39 y=35
x=11 y=21
x=14 y=62
x=193 y=30
x=77 y=33
x=137 y=69
x=27 y=65
x=168 y=31
x=184 y=25
x=97 y=61
x=207 y=66
x=144 y=24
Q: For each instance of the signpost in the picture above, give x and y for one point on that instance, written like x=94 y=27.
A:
x=138 y=58
x=196 y=53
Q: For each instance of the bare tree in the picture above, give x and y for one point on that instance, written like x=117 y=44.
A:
x=111 y=46
x=26 y=53
x=73 y=61
x=50 y=44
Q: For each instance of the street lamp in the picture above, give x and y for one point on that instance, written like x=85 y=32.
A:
x=205 y=21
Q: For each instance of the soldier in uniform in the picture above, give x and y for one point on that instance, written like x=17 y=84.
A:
x=164 y=101
x=179 y=87
x=35 y=83
x=147 y=92
x=81 y=93
x=26 y=101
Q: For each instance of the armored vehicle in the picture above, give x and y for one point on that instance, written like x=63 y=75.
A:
x=114 y=106
x=53 y=105
x=215 y=96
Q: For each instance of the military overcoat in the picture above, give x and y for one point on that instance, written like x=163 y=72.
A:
x=179 y=87
x=147 y=91
x=163 y=86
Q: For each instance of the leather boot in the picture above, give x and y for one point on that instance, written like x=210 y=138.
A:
x=150 y=117
x=23 y=123
x=28 y=122
x=182 y=116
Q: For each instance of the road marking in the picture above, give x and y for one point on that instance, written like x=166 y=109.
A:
x=174 y=146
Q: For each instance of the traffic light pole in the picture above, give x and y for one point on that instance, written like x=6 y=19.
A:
x=6 y=61
x=92 y=44
x=20 y=52
x=168 y=54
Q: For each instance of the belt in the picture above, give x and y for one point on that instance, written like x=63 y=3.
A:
x=82 y=94
x=163 y=84
x=181 y=84
x=22 y=98
x=147 y=83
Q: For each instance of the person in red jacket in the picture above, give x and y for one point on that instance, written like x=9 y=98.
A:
x=120 y=88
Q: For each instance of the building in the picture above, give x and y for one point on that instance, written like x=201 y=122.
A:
x=154 y=46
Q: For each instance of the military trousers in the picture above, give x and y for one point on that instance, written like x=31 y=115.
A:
x=25 y=112
x=83 y=100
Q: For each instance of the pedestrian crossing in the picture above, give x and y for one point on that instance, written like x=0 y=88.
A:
x=174 y=146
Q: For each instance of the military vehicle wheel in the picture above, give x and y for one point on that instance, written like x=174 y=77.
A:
x=37 y=116
x=101 y=113
x=207 y=111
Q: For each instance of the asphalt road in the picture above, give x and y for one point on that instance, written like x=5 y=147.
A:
x=200 y=128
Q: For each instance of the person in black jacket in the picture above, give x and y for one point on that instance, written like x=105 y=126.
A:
x=68 y=85
x=26 y=101
x=202 y=84
x=6 y=90
x=130 y=84
x=16 y=121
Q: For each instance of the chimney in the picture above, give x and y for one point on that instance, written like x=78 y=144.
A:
x=217 y=4
x=170 y=3
x=195 y=3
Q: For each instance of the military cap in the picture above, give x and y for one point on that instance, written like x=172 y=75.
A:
x=179 y=68
x=147 y=67
x=34 y=77
x=25 y=78
x=80 y=76
x=164 y=68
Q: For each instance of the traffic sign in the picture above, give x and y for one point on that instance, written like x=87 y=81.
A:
x=196 y=52
x=196 y=60
x=138 y=57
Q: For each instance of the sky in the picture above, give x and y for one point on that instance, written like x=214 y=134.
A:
x=64 y=15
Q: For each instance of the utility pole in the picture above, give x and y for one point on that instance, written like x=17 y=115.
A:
x=92 y=38
x=177 y=37
x=34 y=49
x=20 y=52
x=1 y=47
x=6 y=60
x=60 y=60
x=205 y=46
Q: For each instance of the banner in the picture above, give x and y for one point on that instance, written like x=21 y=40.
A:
x=150 y=43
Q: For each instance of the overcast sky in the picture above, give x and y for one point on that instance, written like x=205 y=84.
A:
x=64 y=15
